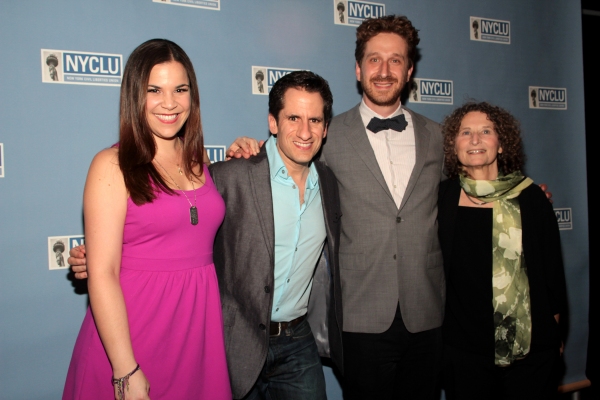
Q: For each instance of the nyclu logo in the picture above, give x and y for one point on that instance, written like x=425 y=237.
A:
x=547 y=98
x=263 y=78
x=58 y=250
x=564 y=218
x=353 y=13
x=431 y=91
x=489 y=30
x=81 y=68
x=208 y=4
x=215 y=152
x=1 y=160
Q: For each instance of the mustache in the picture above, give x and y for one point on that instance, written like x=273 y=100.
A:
x=382 y=79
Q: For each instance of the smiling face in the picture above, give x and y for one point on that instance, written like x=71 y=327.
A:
x=168 y=99
x=383 y=72
x=477 y=146
x=300 y=128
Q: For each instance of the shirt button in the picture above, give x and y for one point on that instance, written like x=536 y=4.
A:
x=398 y=220
x=293 y=186
x=262 y=327
x=283 y=171
x=288 y=280
x=277 y=309
x=394 y=256
x=391 y=162
x=267 y=289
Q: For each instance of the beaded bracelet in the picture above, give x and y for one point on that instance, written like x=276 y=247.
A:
x=123 y=383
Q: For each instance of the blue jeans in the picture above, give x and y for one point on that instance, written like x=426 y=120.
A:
x=293 y=368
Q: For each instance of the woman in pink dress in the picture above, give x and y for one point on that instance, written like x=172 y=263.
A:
x=154 y=327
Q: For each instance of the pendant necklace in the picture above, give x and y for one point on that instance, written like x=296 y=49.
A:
x=193 y=208
x=473 y=201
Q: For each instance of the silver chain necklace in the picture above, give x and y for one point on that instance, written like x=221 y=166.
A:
x=193 y=208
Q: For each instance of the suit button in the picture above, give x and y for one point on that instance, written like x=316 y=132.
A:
x=394 y=256
x=267 y=289
x=398 y=220
x=262 y=327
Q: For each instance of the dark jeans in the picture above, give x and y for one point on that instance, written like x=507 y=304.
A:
x=293 y=369
x=472 y=376
x=394 y=364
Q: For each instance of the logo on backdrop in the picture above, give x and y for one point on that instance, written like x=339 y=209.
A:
x=215 y=153
x=263 y=78
x=81 y=68
x=58 y=250
x=353 y=13
x=489 y=30
x=564 y=216
x=208 y=4
x=431 y=91
x=547 y=98
x=1 y=160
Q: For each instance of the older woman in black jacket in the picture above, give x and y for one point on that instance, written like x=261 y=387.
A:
x=503 y=263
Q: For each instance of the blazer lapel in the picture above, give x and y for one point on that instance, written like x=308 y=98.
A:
x=357 y=136
x=330 y=213
x=260 y=185
x=422 y=136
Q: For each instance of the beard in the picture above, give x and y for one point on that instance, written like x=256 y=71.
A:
x=383 y=99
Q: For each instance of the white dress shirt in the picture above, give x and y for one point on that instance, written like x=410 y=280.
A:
x=395 y=151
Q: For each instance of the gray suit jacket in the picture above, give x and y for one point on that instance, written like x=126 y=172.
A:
x=388 y=255
x=244 y=260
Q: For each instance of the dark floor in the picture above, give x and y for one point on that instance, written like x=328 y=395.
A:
x=589 y=393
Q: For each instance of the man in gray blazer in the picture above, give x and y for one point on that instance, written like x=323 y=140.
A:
x=281 y=206
x=388 y=161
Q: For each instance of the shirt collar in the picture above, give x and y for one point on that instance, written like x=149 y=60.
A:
x=276 y=165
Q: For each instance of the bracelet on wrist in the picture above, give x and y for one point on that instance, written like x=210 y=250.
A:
x=123 y=383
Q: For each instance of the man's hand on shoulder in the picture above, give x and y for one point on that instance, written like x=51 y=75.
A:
x=77 y=261
x=244 y=147
x=548 y=194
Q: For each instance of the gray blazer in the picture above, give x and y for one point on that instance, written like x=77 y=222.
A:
x=244 y=261
x=388 y=255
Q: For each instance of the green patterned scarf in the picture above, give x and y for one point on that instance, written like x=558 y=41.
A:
x=512 y=311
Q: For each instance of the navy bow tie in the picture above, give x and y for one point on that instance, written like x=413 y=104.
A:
x=398 y=123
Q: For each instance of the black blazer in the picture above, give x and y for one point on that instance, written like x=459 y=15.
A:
x=542 y=251
x=244 y=261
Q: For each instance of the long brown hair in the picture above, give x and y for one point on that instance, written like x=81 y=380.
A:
x=137 y=147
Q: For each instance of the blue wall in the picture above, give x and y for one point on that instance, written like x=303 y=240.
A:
x=50 y=131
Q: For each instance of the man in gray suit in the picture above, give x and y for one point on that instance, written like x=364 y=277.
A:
x=281 y=206
x=281 y=209
x=388 y=161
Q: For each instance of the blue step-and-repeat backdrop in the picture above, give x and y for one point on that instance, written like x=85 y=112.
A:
x=60 y=71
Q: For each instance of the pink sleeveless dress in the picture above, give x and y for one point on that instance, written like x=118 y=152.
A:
x=173 y=304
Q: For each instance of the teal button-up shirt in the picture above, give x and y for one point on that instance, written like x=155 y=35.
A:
x=299 y=237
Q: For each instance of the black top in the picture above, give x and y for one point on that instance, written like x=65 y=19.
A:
x=466 y=240
x=468 y=322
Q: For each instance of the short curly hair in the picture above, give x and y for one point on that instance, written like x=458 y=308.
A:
x=400 y=25
x=506 y=126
